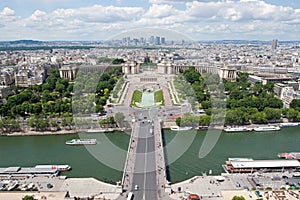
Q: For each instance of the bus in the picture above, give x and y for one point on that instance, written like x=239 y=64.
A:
x=130 y=196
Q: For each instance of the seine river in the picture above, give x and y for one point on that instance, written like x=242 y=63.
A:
x=33 y=150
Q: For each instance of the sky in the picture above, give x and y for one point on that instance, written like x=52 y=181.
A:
x=87 y=20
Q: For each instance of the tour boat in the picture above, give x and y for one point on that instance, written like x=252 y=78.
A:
x=58 y=167
x=178 y=128
x=288 y=124
x=82 y=142
x=267 y=128
x=100 y=130
x=237 y=129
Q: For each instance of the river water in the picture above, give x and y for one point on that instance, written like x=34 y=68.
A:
x=33 y=150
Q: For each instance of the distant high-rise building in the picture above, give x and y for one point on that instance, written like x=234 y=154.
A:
x=163 y=40
x=151 y=40
x=157 y=40
x=135 y=41
x=274 y=44
x=142 y=40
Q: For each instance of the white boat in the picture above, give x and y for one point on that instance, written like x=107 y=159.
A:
x=237 y=129
x=58 y=167
x=178 y=128
x=82 y=142
x=289 y=124
x=267 y=128
x=100 y=130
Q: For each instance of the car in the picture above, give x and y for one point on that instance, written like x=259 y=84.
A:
x=284 y=177
x=136 y=187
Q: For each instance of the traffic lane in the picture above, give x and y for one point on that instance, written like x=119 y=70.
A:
x=139 y=168
x=139 y=181
x=138 y=173
x=151 y=183
x=151 y=186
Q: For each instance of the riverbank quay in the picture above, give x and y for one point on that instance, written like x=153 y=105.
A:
x=270 y=195
x=62 y=132
x=56 y=188
x=165 y=125
x=31 y=133
x=226 y=186
x=36 y=195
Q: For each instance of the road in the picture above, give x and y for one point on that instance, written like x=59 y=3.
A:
x=145 y=164
x=141 y=171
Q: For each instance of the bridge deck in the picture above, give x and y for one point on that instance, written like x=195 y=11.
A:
x=134 y=160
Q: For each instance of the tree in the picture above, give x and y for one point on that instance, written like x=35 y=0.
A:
x=106 y=91
x=206 y=104
x=257 y=89
x=235 y=94
x=292 y=114
x=178 y=121
x=59 y=87
x=107 y=122
x=27 y=197
x=54 y=124
x=259 y=118
x=9 y=125
x=46 y=96
x=236 y=116
x=272 y=114
x=118 y=61
x=191 y=75
x=104 y=77
x=242 y=77
x=189 y=120
x=204 y=120
x=295 y=104
x=120 y=117
x=238 y=198
x=273 y=103
x=269 y=87
x=98 y=108
x=67 y=122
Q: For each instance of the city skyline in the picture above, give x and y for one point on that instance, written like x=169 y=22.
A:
x=102 y=20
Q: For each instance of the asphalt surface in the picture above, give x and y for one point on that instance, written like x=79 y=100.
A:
x=144 y=176
x=144 y=183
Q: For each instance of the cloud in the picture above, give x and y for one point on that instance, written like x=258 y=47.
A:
x=7 y=15
x=7 y=12
x=96 y=16
x=241 y=10
x=178 y=1
x=100 y=14
x=224 y=18
x=160 y=11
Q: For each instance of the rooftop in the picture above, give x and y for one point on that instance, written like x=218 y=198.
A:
x=265 y=164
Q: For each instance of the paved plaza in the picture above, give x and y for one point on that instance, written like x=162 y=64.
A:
x=134 y=81
x=77 y=187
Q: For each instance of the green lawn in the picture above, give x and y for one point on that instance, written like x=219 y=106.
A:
x=136 y=97
x=159 y=97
